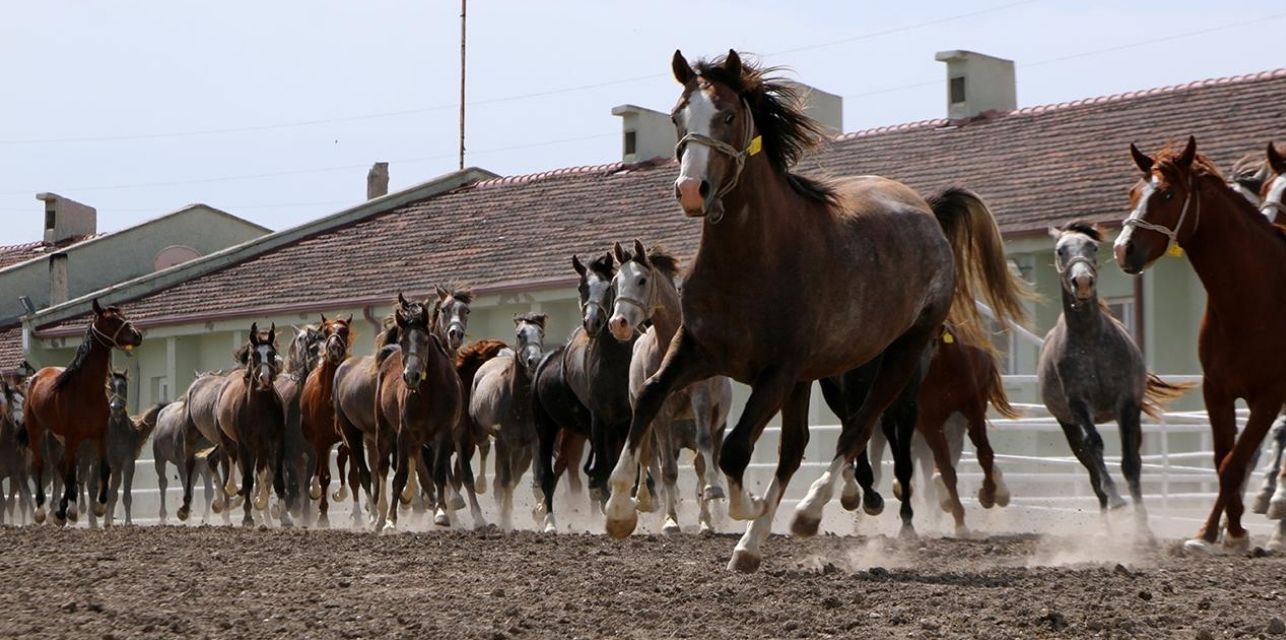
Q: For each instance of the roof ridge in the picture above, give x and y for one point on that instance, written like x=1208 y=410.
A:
x=607 y=168
x=1255 y=76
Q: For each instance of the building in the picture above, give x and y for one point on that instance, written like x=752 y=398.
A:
x=73 y=259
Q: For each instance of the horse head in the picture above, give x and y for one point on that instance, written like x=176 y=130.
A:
x=336 y=338
x=1076 y=258
x=259 y=356
x=529 y=328
x=453 y=315
x=117 y=391
x=415 y=338
x=595 y=289
x=1273 y=196
x=112 y=329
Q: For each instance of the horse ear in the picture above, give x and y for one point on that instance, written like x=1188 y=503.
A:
x=1054 y=232
x=1189 y=152
x=611 y=259
x=254 y=333
x=620 y=253
x=682 y=70
x=323 y=318
x=346 y=319
x=272 y=334
x=639 y=253
x=1275 y=159
x=576 y=264
x=98 y=311
x=732 y=64
x=517 y=320
x=1141 y=160
x=401 y=300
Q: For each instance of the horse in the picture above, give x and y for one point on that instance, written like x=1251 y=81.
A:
x=467 y=363
x=14 y=459
x=450 y=316
x=418 y=398
x=69 y=403
x=1242 y=352
x=252 y=420
x=317 y=408
x=173 y=444
x=595 y=370
x=354 y=399
x=962 y=379
x=646 y=292
x=201 y=404
x=125 y=439
x=1090 y=371
x=797 y=279
x=500 y=403
x=301 y=357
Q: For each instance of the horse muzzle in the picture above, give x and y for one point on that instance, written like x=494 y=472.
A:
x=621 y=328
x=455 y=336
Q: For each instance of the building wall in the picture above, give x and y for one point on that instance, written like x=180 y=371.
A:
x=122 y=256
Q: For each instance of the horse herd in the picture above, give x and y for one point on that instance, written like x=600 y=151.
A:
x=858 y=283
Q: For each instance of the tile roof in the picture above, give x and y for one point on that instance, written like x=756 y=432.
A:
x=15 y=253
x=1035 y=166
x=10 y=347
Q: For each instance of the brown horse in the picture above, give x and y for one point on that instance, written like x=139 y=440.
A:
x=317 y=408
x=1181 y=199
x=797 y=279
x=253 y=421
x=70 y=404
x=421 y=408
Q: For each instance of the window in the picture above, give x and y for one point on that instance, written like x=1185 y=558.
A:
x=957 y=90
x=631 y=142
x=49 y=219
x=1123 y=310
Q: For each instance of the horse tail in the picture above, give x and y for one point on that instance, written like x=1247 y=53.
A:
x=996 y=391
x=981 y=266
x=1159 y=393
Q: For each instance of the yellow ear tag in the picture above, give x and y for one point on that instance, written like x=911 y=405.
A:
x=756 y=145
x=947 y=338
x=1175 y=251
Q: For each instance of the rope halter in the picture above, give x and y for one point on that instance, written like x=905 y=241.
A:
x=110 y=341
x=1172 y=236
x=754 y=145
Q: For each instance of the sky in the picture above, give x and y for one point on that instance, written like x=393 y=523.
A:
x=274 y=111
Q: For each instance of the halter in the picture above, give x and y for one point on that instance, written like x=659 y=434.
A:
x=754 y=146
x=1272 y=210
x=647 y=307
x=1062 y=269
x=112 y=341
x=1172 y=237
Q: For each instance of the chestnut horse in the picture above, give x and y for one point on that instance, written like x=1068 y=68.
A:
x=252 y=420
x=1181 y=199
x=69 y=403
x=797 y=279
x=317 y=408
x=417 y=402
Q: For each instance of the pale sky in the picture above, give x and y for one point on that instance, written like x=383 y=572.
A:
x=274 y=110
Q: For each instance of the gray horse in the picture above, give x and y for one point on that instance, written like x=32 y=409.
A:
x=1091 y=371
x=14 y=459
x=172 y=444
x=500 y=403
x=201 y=401
x=692 y=418
x=125 y=439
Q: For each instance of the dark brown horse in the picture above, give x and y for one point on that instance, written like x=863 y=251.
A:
x=1181 y=199
x=797 y=279
x=418 y=401
x=253 y=421
x=317 y=408
x=70 y=404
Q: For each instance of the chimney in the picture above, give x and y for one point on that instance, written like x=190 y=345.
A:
x=826 y=108
x=977 y=83
x=377 y=181
x=648 y=134
x=66 y=219
x=57 y=278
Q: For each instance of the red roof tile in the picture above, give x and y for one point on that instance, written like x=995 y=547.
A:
x=1035 y=166
x=15 y=253
x=10 y=347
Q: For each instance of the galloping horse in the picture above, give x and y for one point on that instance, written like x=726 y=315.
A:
x=797 y=279
x=317 y=408
x=301 y=358
x=1181 y=199
x=70 y=404
x=417 y=401
x=1271 y=200
x=1090 y=371
x=14 y=458
x=172 y=443
x=500 y=402
x=646 y=292
x=468 y=362
x=252 y=420
x=125 y=439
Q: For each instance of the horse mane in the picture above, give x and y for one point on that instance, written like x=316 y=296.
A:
x=532 y=317
x=1167 y=160
x=462 y=293
x=1084 y=228
x=664 y=261
x=78 y=361
x=297 y=360
x=1251 y=171
x=777 y=107
x=603 y=266
x=242 y=354
x=473 y=356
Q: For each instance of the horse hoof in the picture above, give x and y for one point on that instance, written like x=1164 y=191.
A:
x=873 y=505
x=217 y=507
x=986 y=498
x=1260 y=503
x=622 y=527
x=897 y=490
x=1002 y=498
x=40 y=516
x=248 y=523
x=389 y=527
x=850 y=502
x=1237 y=544
x=671 y=527
x=285 y=522
x=406 y=498
x=1199 y=546
x=260 y=504
x=72 y=515
x=323 y=522
x=277 y=511
x=713 y=492
x=315 y=492
x=442 y=519
x=706 y=529
x=480 y=486
x=183 y=514
x=340 y=495
x=963 y=532
x=234 y=503
x=744 y=561
x=1115 y=502
x=907 y=532
x=644 y=502
x=60 y=521
x=551 y=526
x=456 y=502
x=1276 y=510
x=805 y=525
x=100 y=509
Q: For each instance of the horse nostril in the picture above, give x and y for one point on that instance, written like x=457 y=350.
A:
x=705 y=189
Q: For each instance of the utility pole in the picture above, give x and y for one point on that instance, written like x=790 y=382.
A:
x=462 y=33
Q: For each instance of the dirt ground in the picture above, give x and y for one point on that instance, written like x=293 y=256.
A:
x=223 y=582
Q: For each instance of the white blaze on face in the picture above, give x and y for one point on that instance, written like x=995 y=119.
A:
x=265 y=360
x=696 y=117
x=1275 y=198
x=1139 y=212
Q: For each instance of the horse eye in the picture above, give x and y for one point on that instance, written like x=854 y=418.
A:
x=729 y=118
x=642 y=281
x=1167 y=194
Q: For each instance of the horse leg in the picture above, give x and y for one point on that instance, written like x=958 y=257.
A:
x=860 y=472
x=936 y=438
x=766 y=398
x=68 y=464
x=547 y=431
x=502 y=489
x=681 y=366
x=1076 y=440
x=571 y=451
x=442 y=480
x=484 y=448
x=207 y=478
x=668 y=456
x=319 y=475
x=127 y=495
x=994 y=491
x=186 y=470
x=341 y=465
x=1232 y=473
x=114 y=484
x=1274 y=476
x=406 y=455
x=162 y=483
x=705 y=416
x=246 y=462
x=1132 y=461
x=470 y=487
x=1087 y=444
x=747 y=555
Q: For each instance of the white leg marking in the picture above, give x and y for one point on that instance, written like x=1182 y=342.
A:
x=808 y=513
